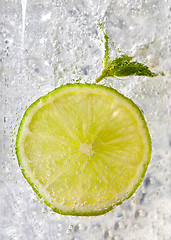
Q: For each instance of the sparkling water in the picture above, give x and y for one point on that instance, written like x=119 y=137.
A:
x=44 y=44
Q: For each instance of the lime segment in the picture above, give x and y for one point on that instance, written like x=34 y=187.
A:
x=84 y=148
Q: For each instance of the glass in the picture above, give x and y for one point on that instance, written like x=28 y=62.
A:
x=58 y=41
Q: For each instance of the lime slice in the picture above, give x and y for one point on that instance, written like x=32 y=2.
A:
x=84 y=148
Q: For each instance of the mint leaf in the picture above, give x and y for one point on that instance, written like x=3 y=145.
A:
x=124 y=66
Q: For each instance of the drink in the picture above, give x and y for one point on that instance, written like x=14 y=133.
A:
x=62 y=42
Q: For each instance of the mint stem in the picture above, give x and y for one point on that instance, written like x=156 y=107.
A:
x=103 y=75
x=106 y=55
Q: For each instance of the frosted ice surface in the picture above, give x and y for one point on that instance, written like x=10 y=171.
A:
x=61 y=43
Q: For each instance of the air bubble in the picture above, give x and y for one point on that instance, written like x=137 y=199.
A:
x=79 y=227
x=116 y=238
x=119 y=225
x=44 y=210
x=140 y=213
x=147 y=181
x=106 y=234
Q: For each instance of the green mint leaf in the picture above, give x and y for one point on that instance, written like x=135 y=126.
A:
x=124 y=66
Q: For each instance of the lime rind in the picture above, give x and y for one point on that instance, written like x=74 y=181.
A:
x=93 y=211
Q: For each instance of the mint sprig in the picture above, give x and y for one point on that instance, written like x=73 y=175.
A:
x=122 y=66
